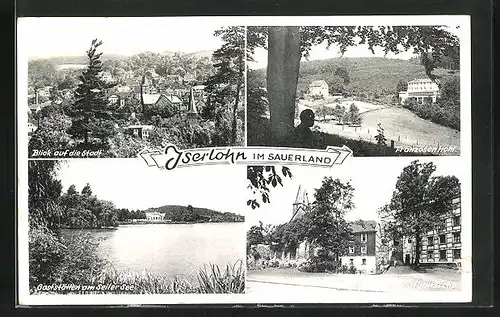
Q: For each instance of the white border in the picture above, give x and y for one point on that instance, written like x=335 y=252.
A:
x=465 y=161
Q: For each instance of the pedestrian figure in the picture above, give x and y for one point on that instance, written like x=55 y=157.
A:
x=303 y=136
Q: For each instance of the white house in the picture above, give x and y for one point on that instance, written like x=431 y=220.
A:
x=154 y=216
x=420 y=90
x=319 y=88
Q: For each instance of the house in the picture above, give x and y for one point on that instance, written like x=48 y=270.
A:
x=420 y=90
x=173 y=79
x=318 y=88
x=189 y=78
x=154 y=216
x=113 y=99
x=139 y=130
x=34 y=108
x=123 y=88
x=361 y=253
x=31 y=128
x=443 y=244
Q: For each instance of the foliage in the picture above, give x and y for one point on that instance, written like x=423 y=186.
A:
x=327 y=228
x=260 y=177
x=255 y=235
x=226 y=85
x=320 y=266
x=418 y=201
x=81 y=260
x=380 y=137
x=230 y=281
x=124 y=214
x=86 y=210
x=179 y=213
x=52 y=131
x=46 y=255
x=43 y=193
x=91 y=113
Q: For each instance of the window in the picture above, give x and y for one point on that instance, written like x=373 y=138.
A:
x=430 y=240
x=457 y=254
x=456 y=221
x=409 y=240
x=430 y=255
x=363 y=261
x=145 y=133
x=442 y=239
x=364 y=237
x=456 y=237
x=351 y=249
x=442 y=255
x=351 y=262
x=363 y=249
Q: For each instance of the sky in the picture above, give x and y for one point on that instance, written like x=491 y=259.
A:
x=373 y=180
x=130 y=183
x=63 y=36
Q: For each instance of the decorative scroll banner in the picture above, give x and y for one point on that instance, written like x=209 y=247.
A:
x=171 y=157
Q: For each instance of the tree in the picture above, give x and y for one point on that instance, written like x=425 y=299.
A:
x=286 y=45
x=228 y=81
x=92 y=114
x=87 y=191
x=260 y=177
x=380 y=137
x=401 y=86
x=52 y=130
x=41 y=73
x=335 y=84
x=255 y=235
x=327 y=228
x=418 y=202
x=352 y=116
x=44 y=190
x=342 y=72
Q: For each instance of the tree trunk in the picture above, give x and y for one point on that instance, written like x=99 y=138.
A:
x=417 y=248
x=282 y=76
x=241 y=73
x=143 y=80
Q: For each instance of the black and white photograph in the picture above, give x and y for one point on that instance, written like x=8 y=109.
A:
x=381 y=90
x=94 y=229
x=109 y=87
x=333 y=236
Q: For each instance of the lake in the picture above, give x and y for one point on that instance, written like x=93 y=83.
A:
x=169 y=249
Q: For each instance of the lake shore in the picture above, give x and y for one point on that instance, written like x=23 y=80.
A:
x=164 y=222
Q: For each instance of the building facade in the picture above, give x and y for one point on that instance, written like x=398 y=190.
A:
x=443 y=244
x=318 y=88
x=154 y=216
x=139 y=130
x=421 y=91
x=361 y=253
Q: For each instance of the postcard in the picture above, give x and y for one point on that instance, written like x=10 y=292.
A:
x=244 y=160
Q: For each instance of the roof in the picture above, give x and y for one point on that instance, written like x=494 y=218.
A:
x=150 y=99
x=173 y=99
x=363 y=226
x=317 y=83
x=138 y=126
x=421 y=80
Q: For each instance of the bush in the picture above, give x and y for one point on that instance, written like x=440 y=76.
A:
x=442 y=112
x=81 y=262
x=320 y=266
x=46 y=254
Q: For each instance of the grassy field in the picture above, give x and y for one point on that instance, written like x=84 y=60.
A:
x=400 y=125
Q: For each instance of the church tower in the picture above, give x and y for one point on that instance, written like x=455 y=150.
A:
x=301 y=204
x=192 y=111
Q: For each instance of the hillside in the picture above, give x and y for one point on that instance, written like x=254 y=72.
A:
x=82 y=59
x=368 y=75
x=180 y=213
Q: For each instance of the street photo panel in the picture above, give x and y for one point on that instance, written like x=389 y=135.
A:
x=381 y=90
x=110 y=87
x=331 y=236
x=92 y=229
